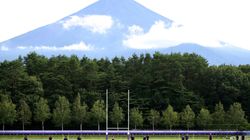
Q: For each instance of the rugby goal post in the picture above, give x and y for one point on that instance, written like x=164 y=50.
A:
x=107 y=126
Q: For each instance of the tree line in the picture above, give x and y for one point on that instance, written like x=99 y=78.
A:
x=59 y=90
x=79 y=112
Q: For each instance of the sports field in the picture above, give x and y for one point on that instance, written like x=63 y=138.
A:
x=60 y=137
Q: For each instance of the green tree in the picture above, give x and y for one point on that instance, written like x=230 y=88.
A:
x=136 y=117
x=117 y=115
x=11 y=75
x=204 y=119
x=154 y=118
x=35 y=64
x=61 y=112
x=31 y=87
x=236 y=116
x=79 y=111
x=42 y=111
x=219 y=116
x=98 y=112
x=176 y=79
x=7 y=111
x=24 y=113
x=188 y=117
x=170 y=117
x=90 y=71
x=56 y=85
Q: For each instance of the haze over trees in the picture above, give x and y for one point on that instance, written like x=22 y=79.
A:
x=36 y=90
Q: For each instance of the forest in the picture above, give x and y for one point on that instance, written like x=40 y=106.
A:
x=167 y=91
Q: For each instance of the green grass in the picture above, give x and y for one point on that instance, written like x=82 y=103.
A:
x=60 y=137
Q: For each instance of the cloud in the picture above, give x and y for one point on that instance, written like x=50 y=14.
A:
x=209 y=18
x=73 y=47
x=94 y=23
x=162 y=36
x=22 y=47
x=78 y=47
x=4 y=48
x=135 y=30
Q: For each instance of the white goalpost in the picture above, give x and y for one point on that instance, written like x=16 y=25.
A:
x=107 y=126
x=107 y=114
x=128 y=116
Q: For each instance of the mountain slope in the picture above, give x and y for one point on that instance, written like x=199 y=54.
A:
x=99 y=31
x=124 y=12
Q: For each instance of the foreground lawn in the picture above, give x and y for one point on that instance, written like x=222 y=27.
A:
x=60 y=137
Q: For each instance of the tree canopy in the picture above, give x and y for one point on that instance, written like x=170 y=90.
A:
x=24 y=113
x=155 y=81
x=7 y=111
x=169 y=117
x=204 y=119
x=188 y=117
x=236 y=116
x=98 y=112
x=154 y=118
x=42 y=111
x=136 y=118
x=62 y=112
x=79 y=111
x=117 y=115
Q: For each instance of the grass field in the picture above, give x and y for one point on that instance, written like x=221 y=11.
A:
x=60 y=137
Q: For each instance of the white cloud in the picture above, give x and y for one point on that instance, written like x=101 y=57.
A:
x=4 y=48
x=135 y=30
x=21 y=47
x=162 y=36
x=73 y=47
x=94 y=23
x=225 y=20
x=78 y=47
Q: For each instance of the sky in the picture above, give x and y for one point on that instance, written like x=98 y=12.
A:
x=208 y=21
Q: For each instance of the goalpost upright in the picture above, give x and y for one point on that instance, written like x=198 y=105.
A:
x=128 y=116
x=107 y=114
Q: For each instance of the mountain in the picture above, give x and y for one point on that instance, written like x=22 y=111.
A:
x=101 y=30
x=215 y=56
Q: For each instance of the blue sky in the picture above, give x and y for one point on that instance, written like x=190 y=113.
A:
x=206 y=22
